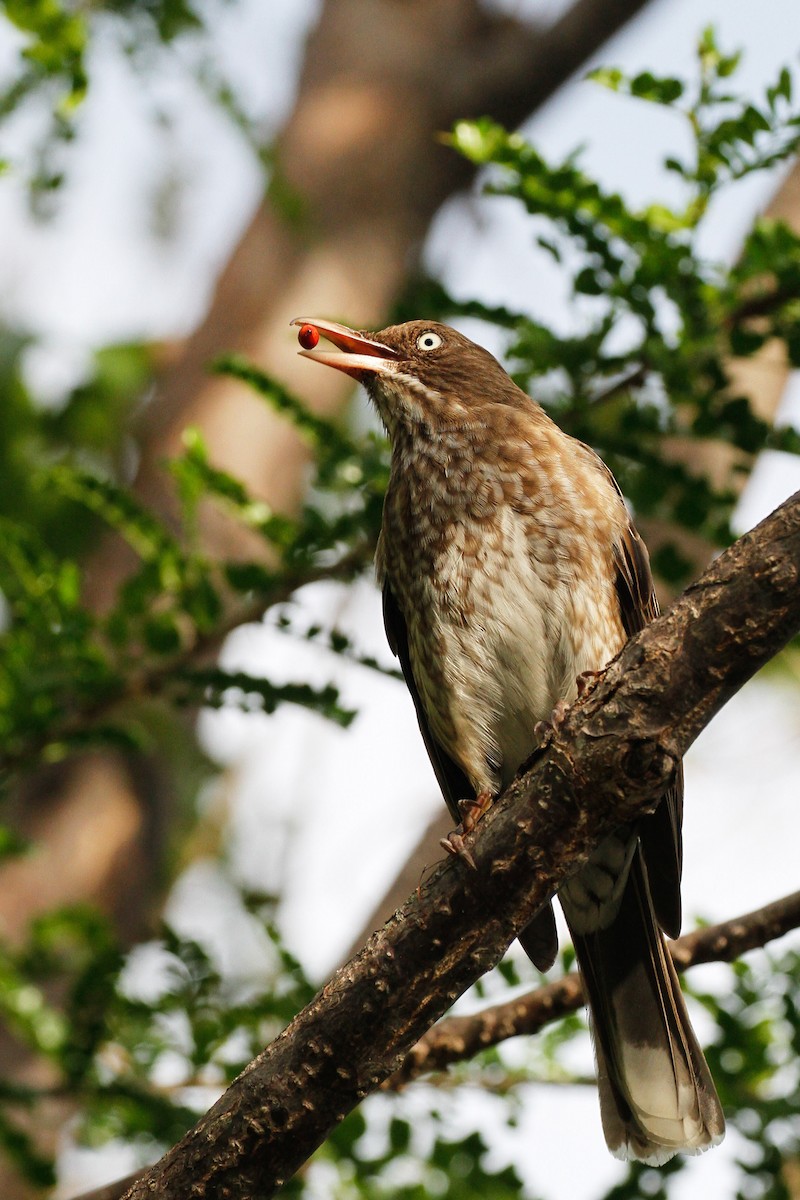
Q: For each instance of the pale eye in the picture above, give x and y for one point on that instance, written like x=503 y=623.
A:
x=428 y=340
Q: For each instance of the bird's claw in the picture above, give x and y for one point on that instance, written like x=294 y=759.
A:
x=454 y=844
x=470 y=812
x=544 y=731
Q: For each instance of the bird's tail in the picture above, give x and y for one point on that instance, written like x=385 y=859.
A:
x=657 y=1097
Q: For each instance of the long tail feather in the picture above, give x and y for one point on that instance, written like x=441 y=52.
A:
x=656 y=1093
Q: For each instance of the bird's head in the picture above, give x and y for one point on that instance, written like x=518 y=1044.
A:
x=420 y=371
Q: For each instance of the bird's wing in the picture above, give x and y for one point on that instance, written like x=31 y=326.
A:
x=660 y=833
x=452 y=780
x=539 y=938
x=633 y=580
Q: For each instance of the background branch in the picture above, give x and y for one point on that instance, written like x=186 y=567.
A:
x=457 y=1038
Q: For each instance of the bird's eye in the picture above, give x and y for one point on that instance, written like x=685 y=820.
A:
x=428 y=340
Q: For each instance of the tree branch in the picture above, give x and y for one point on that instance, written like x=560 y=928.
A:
x=511 y=69
x=609 y=762
x=761 y=304
x=457 y=1038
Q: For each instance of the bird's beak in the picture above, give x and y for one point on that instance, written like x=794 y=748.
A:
x=356 y=354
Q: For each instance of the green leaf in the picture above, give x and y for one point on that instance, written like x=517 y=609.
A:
x=661 y=91
x=608 y=77
x=56 y=43
x=143 y=531
x=162 y=634
x=324 y=436
x=12 y=844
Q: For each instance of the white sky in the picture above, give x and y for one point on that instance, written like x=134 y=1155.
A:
x=316 y=810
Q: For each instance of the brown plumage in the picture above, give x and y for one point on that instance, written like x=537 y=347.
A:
x=509 y=566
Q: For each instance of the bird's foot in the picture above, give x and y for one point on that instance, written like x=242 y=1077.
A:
x=586 y=681
x=544 y=731
x=471 y=812
x=454 y=844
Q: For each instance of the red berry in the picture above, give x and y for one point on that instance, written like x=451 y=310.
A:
x=308 y=337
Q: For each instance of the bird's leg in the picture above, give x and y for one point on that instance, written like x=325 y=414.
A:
x=454 y=844
x=471 y=812
x=544 y=730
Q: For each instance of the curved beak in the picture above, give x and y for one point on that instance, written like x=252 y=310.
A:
x=356 y=354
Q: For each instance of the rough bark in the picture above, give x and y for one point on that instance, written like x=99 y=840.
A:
x=611 y=760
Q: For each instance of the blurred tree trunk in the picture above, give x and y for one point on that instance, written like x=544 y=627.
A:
x=361 y=158
x=93 y=833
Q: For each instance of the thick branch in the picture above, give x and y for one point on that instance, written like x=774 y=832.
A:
x=610 y=761
x=457 y=1038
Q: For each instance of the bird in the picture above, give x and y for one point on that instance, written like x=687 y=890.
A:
x=510 y=568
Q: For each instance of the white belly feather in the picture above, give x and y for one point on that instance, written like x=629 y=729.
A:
x=510 y=631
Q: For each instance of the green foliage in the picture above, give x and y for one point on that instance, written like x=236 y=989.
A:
x=660 y=324
x=52 y=60
x=56 y=62
x=57 y=36
x=333 y=640
x=410 y=1167
x=351 y=474
x=649 y=363
x=107 y=1037
x=755 y=1062
x=54 y=46
x=69 y=676
x=87 y=427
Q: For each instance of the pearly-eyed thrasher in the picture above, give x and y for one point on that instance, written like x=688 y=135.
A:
x=509 y=567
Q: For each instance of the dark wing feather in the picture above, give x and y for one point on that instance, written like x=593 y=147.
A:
x=634 y=582
x=660 y=833
x=452 y=780
x=538 y=939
